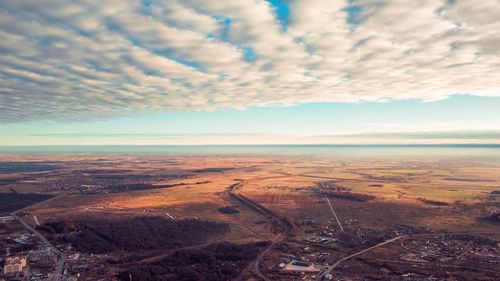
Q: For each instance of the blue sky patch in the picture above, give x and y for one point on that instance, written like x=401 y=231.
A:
x=282 y=10
x=249 y=54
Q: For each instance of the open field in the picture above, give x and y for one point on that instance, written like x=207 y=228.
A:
x=283 y=200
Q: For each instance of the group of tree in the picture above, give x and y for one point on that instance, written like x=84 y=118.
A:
x=347 y=195
x=134 y=234
x=13 y=201
x=222 y=261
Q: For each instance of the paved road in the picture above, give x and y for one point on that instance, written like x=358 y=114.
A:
x=60 y=266
x=257 y=264
x=333 y=266
x=334 y=214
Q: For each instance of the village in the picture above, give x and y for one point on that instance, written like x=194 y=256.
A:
x=329 y=252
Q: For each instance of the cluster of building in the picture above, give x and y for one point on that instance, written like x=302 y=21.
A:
x=95 y=184
x=306 y=259
x=14 y=266
x=34 y=265
x=300 y=263
x=80 y=184
x=443 y=248
x=483 y=255
x=6 y=219
x=24 y=257
x=22 y=237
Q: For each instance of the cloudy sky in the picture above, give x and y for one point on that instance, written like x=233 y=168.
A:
x=249 y=71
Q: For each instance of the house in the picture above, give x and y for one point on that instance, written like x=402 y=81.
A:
x=14 y=265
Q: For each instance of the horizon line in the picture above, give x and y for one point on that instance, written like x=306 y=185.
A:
x=254 y=144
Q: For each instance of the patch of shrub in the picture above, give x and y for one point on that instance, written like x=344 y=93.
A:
x=228 y=210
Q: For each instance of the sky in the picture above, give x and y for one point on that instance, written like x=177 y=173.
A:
x=249 y=71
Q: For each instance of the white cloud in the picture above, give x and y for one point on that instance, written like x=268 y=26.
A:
x=85 y=59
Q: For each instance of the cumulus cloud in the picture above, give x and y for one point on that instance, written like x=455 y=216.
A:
x=86 y=59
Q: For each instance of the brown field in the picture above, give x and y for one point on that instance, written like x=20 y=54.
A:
x=285 y=204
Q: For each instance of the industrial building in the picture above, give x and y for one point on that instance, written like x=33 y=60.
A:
x=14 y=265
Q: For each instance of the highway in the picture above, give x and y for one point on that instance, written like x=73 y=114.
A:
x=63 y=258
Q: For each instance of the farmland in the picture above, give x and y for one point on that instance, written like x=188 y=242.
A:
x=315 y=212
